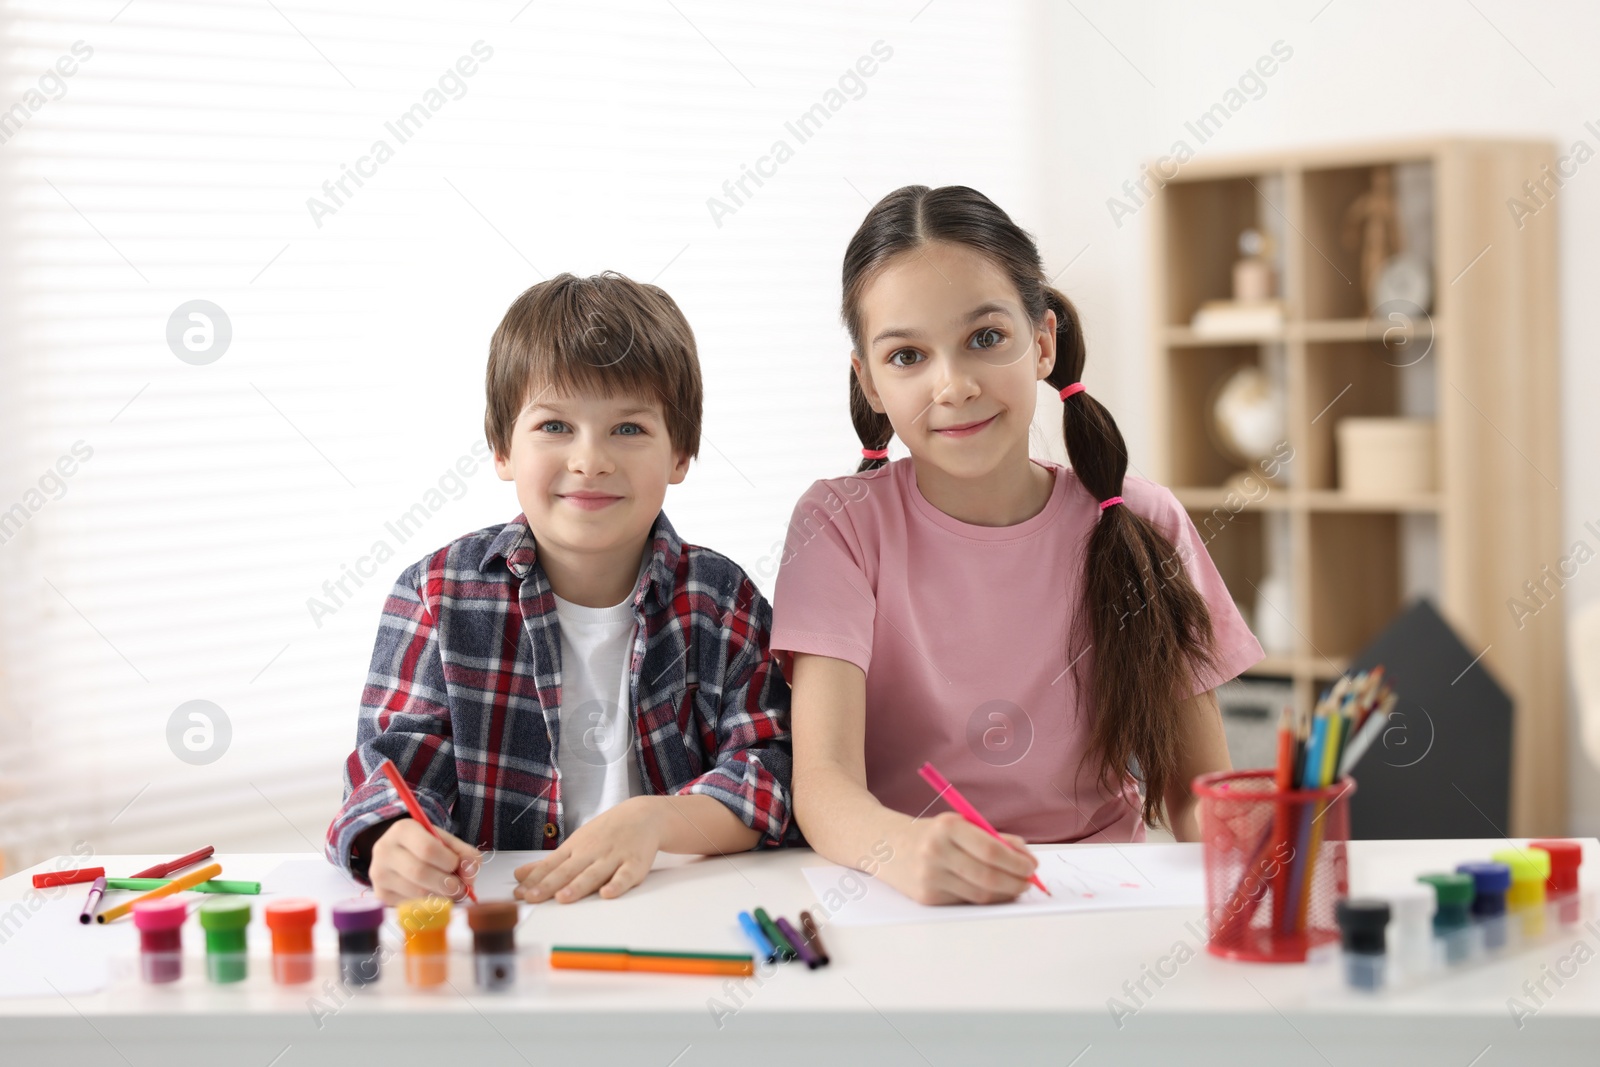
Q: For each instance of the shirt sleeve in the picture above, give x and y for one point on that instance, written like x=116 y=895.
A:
x=824 y=604
x=1234 y=646
x=753 y=761
x=404 y=717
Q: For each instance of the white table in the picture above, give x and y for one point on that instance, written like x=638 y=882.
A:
x=993 y=991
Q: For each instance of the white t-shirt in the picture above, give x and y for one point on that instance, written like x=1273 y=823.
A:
x=595 y=759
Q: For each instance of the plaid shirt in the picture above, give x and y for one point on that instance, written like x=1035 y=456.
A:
x=464 y=694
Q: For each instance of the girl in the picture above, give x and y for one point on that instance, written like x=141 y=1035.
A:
x=1036 y=632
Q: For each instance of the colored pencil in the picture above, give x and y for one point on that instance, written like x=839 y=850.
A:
x=1252 y=888
x=163 y=870
x=1366 y=734
x=409 y=799
x=1283 y=781
x=177 y=885
x=1330 y=746
x=964 y=808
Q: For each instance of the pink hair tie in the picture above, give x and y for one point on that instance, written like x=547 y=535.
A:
x=1112 y=502
x=875 y=453
x=1073 y=389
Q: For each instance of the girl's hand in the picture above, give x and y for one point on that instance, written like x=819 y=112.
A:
x=610 y=853
x=409 y=862
x=947 y=860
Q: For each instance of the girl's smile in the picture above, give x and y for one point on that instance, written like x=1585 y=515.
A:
x=966 y=429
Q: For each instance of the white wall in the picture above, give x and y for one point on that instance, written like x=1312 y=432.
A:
x=178 y=564
x=1361 y=71
x=177 y=164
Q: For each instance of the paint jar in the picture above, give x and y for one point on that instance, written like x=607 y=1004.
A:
x=1530 y=867
x=1561 y=888
x=291 y=921
x=1490 y=882
x=1454 y=938
x=1362 y=925
x=224 y=920
x=425 y=921
x=494 y=949
x=1411 y=910
x=357 y=921
x=160 y=924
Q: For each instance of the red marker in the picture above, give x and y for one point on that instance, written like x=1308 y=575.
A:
x=54 y=878
x=165 y=870
x=965 y=809
x=391 y=772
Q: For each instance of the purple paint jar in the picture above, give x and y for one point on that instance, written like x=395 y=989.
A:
x=357 y=921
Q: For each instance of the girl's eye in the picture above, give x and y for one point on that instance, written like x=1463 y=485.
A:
x=544 y=427
x=894 y=357
x=988 y=337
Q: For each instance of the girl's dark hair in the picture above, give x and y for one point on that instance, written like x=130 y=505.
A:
x=1147 y=625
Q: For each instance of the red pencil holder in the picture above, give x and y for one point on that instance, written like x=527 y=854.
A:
x=1275 y=864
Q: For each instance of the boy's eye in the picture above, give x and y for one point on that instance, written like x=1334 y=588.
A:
x=630 y=429
x=545 y=427
x=911 y=354
x=988 y=337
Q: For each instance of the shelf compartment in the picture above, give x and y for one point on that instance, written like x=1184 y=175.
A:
x=1318 y=670
x=1354 y=575
x=1201 y=242
x=1194 y=377
x=1332 y=270
x=1205 y=499
x=1343 y=379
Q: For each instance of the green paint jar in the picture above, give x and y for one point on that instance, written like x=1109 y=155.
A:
x=224 y=920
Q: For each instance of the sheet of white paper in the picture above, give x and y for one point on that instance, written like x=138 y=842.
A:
x=315 y=877
x=1081 y=878
x=46 y=952
x=310 y=876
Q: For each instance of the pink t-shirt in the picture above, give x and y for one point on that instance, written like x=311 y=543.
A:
x=962 y=633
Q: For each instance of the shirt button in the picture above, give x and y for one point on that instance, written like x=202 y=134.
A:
x=550 y=830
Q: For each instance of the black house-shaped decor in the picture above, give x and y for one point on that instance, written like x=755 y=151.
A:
x=1442 y=766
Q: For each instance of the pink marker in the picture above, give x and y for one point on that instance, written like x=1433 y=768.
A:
x=965 y=809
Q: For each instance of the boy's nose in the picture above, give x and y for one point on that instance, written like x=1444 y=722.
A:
x=589 y=457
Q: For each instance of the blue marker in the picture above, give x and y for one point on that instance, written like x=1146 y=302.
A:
x=752 y=930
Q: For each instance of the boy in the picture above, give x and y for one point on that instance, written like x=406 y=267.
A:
x=577 y=679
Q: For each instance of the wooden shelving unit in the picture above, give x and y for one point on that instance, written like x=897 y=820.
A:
x=1489 y=379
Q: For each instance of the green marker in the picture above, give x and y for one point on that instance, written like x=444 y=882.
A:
x=786 y=951
x=224 y=921
x=216 y=885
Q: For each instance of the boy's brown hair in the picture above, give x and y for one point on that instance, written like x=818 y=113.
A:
x=605 y=334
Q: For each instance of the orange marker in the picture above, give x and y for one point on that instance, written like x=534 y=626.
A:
x=177 y=885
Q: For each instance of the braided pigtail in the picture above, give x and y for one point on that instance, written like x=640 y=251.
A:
x=872 y=427
x=1147 y=623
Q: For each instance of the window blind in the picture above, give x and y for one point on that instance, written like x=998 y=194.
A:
x=251 y=258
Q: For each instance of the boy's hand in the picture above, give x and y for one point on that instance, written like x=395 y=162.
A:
x=611 y=853
x=409 y=862
x=947 y=860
